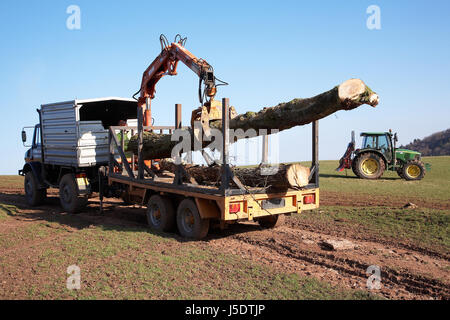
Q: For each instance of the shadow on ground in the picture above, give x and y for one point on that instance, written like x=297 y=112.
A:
x=340 y=176
x=115 y=216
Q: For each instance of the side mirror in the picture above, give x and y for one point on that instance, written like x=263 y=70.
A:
x=24 y=136
x=395 y=137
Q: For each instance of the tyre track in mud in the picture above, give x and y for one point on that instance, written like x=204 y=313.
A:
x=67 y=224
x=326 y=230
x=286 y=249
x=411 y=282
x=336 y=198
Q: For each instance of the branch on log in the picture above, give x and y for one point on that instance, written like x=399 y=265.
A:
x=346 y=96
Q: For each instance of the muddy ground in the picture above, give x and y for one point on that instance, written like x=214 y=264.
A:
x=407 y=271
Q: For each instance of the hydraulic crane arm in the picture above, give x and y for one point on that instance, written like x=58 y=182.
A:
x=166 y=64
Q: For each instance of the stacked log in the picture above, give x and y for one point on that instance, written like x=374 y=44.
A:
x=281 y=176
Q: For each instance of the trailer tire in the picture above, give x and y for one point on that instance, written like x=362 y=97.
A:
x=189 y=222
x=270 y=222
x=33 y=194
x=69 y=198
x=160 y=213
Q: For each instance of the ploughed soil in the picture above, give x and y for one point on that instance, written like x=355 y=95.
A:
x=333 y=198
x=407 y=271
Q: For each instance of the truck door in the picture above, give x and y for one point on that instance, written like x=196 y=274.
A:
x=36 y=147
x=384 y=145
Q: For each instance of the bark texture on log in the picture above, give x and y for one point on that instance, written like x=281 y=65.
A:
x=282 y=176
x=346 y=96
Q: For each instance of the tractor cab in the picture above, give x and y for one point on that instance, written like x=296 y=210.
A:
x=380 y=141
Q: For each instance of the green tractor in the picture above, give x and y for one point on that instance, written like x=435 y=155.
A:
x=379 y=153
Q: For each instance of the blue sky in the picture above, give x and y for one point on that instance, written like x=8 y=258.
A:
x=269 y=52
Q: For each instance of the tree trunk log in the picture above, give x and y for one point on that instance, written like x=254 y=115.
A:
x=346 y=96
x=282 y=176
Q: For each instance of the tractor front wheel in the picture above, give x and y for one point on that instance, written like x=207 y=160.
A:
x=413 y=170
x=369 y=166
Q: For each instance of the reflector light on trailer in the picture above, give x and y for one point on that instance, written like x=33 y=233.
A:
x=235 y=207
x=309 y=198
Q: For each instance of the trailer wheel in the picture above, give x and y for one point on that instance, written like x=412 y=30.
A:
x=189 y=222
x=270 y=222
x=160 y=213
x=69 y=198
x=33 y=194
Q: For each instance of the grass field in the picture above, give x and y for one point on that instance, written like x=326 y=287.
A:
x=11 y=182
x=123 y=261
x=435 y=185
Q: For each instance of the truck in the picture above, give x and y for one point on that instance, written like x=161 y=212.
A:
x=79 y=148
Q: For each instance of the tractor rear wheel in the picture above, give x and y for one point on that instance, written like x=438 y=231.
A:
x=354 y=163
x=413 y=170
x=369 y=166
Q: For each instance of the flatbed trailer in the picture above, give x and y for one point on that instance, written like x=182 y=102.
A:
x=193 y=207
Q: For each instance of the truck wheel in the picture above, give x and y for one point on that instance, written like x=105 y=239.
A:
x=369 y=166
x=189 y=222
x=70 y=200
x=413 y=170
x=33 y=194
x=160 y=213
x=271 y=222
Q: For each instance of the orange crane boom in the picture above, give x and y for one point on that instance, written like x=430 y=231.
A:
x=166 y=64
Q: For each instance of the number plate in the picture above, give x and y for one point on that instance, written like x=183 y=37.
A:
x=82 y=184
x=273 y=203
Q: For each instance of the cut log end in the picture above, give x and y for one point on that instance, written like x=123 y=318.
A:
x=354 y=92
x=297 y=175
